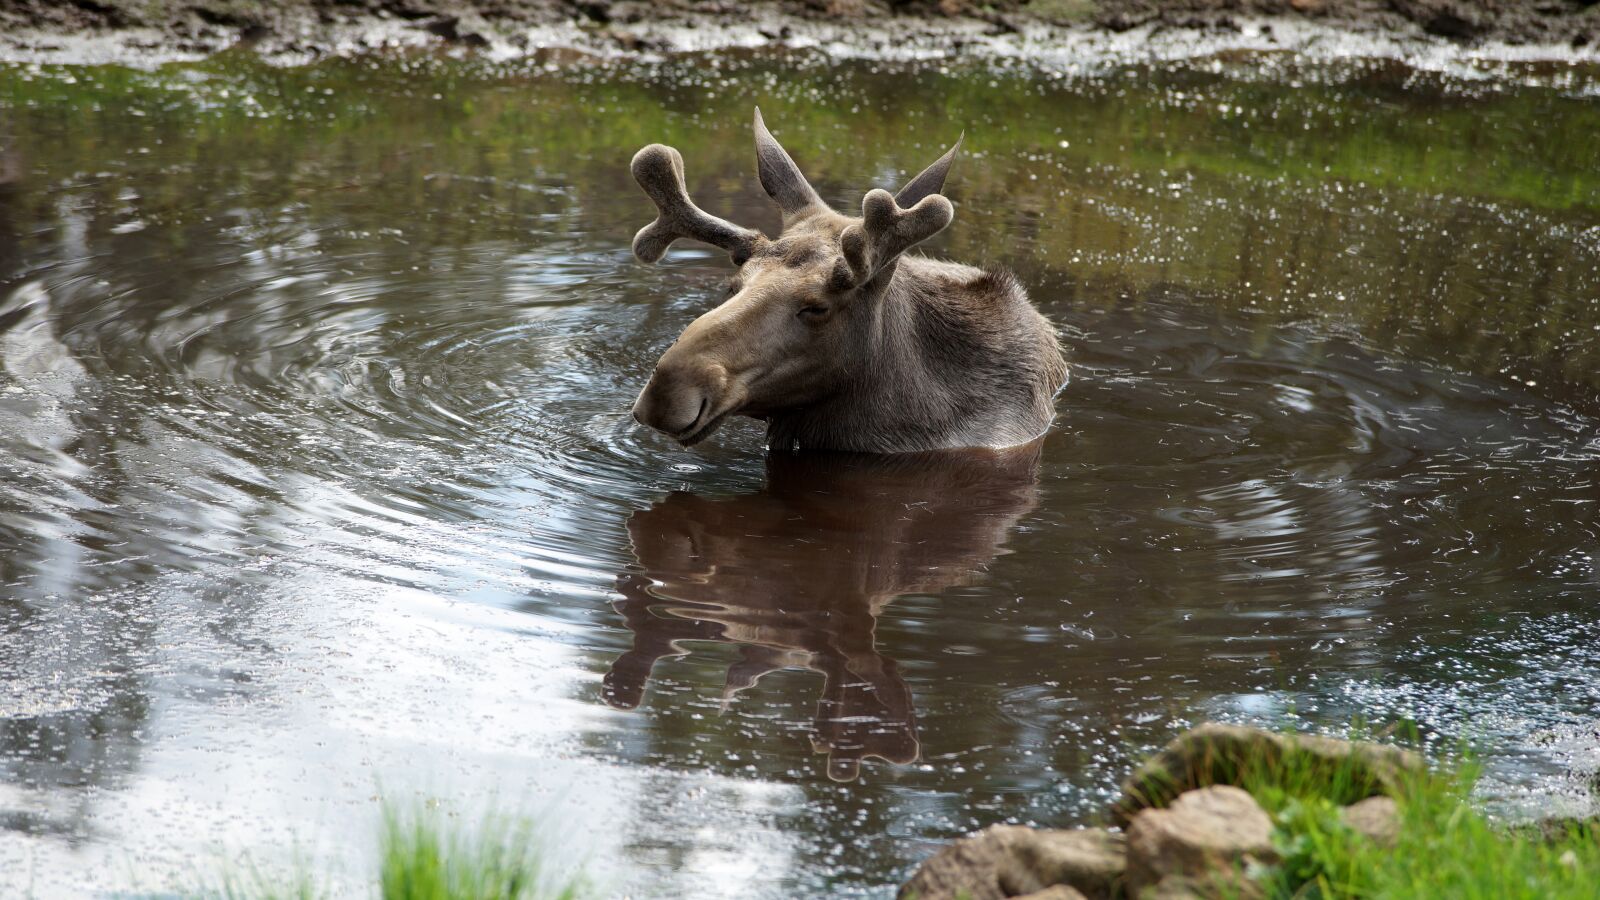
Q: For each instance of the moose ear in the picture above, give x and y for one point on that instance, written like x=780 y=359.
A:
x=931 y=181
x=780 y=177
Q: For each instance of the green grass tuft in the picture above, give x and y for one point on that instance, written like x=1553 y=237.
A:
x=1445 y=848
x=421 y=860
x=423 y=857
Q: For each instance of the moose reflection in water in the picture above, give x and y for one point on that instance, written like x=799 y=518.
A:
x=797 y=574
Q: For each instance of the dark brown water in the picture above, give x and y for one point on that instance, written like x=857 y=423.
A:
x=317 y=479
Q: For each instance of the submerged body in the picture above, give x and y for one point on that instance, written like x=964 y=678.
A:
x=835 y=337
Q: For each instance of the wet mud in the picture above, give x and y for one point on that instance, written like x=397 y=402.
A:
x=154 y=31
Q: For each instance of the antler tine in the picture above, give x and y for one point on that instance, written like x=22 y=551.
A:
x=888 y=230
x=659 y=170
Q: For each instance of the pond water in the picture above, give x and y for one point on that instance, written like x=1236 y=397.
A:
x=318 y=483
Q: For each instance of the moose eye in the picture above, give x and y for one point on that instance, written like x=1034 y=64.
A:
x=813 y=313
x=731 y=288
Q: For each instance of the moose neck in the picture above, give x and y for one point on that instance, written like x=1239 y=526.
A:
x=953 y=357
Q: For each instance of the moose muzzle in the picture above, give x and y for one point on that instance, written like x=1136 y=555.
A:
x=686 y=401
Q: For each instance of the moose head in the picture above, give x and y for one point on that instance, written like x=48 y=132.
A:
x=835 y=336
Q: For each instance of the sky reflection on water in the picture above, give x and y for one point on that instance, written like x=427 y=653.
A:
x=317 y=480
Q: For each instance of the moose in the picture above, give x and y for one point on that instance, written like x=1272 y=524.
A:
x=835 y=335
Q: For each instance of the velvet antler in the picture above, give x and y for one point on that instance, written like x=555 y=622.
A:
x=780 y=177
x=659 y=170
x=887 y=230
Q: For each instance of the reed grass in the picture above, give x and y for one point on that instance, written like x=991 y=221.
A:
x=423 y=856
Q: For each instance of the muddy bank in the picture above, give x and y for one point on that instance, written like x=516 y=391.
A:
x=1571 y=23
x=160 y=30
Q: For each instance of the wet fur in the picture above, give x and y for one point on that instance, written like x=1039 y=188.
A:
x=957 y=357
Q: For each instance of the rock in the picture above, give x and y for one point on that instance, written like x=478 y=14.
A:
x=842 y=9
x=1204 y=832
x=1458 y=20
x=1376 y=817
x=404 y=9
x=1222 y=885
x=597 y=11
x=1557 y=829
x=1451 y=24
x=228 y=15
x=967 y=868
x=449 y=28
x=1061 y=892
x=1009 y=860
x=1222 y=754
x=1089 y=860
x=1124 y=20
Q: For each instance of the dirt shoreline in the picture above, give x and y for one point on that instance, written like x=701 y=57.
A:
x=154 y=31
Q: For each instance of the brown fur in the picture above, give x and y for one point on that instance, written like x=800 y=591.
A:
x=863 y=531
x=838 y=339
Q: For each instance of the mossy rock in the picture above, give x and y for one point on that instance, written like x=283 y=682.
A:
x=1342 y=771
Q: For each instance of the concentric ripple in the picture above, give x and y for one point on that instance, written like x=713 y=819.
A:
x=317 y=470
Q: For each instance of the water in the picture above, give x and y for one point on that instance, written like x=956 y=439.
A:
x=318 y=482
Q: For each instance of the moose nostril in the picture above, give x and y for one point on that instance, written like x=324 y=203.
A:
x=673 y=402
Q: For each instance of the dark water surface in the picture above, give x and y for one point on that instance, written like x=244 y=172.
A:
x=317 y=480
